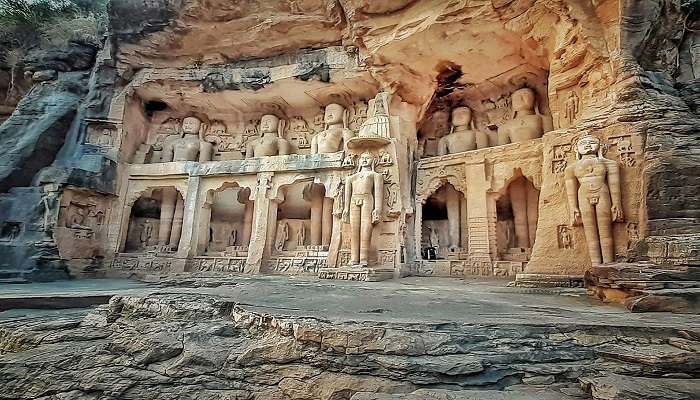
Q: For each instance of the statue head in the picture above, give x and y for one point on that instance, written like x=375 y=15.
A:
x=190 y=125
x=366 y=160
x=588 y=145
x=523 y=99
x=461 y=116
x=334 y=114
x=269 y=124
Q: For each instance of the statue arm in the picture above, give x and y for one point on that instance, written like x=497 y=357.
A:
x=167 y=154
x=615 y=190
x=249 y=150
x=205 y=151
x=314 y=145
x=284 y=147
x=571 y=183
x=378 y=198
x=442 y=146
x=503 y=136
x=348 y=195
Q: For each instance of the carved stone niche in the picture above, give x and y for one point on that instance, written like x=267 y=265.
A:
x=10 y=231
x=80 y=232
x=102 y=133
x=510 y=108
x=516 y=220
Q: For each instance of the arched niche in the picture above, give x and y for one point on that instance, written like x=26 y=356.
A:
x=292 y=224
x=516 y=209
x=443 y=230
x=155 y=220
x=226 y=222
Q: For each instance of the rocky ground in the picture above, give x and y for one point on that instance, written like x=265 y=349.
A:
x=274 y=338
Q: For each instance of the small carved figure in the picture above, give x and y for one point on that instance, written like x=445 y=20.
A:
x=594 y=196
x=359 y=117
x=364 y=200
x=434 y=239
x=526 y=122
x=463 y=135
x=571 y=107
x=191 y=146
x=146 y=233
x=282 y=235
x=232 y=237
x=335 y=133
x=251 y=128
x=11 y=233
x=106 y=138
x=77 y=219
x=349 y=160
x=565 y=240
x=385 y=158
x=271 y=142
x=301 y=236
x=48 y=201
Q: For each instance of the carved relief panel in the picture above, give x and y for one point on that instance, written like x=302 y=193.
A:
x=103 y=134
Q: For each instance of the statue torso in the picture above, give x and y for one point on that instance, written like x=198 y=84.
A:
x=329 y=141
x=266 y=146
x=186 y=148
x=460 y=141
x=524 y=127
x=591 y=174
x=363 y=183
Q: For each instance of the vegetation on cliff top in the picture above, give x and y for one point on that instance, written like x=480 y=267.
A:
x=44 y=24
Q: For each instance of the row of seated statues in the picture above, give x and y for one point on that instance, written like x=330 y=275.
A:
x=525 y=124
x=193 y=144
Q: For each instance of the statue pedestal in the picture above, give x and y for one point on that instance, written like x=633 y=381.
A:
x=368 y=274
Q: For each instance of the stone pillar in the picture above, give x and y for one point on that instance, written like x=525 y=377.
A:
x=533 y=199
x=203 y=227
x=247 y=221
x=177 y=222
x=261 y=222
x=453 y=219
x=271 y=231
x=478 y=221
x=167 y=210
x=316 y=217
x=188 y=236
x=463 y=237
x=327 y=221
x=124 y=228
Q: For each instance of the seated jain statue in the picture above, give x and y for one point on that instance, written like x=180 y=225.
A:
x=270 y=143
x=191 y=146
x=593 y=192
x=335 y=133
x=526 y=123
x=364 y=198
x=462 y=136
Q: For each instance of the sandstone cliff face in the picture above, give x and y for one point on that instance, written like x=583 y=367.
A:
x=631 y=65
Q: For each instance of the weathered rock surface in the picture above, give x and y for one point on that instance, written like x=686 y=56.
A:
x=74 y=57
x=168 y=345
x=32 y=136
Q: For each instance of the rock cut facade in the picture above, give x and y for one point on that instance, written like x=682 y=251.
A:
x=368 y=140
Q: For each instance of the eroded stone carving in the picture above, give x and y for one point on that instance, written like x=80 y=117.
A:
x=463 y=136
x=526 y=122
x=595 y=198
x=271 y=142
x=364 y=201
x=335 y=133
x=191 y=146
